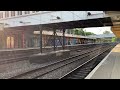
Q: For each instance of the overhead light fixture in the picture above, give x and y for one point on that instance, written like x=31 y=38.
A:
x=88 y=13
x=24 y=22
x=58 y=17
x=21 y=22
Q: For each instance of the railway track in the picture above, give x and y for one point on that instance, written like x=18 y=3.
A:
x=39 y=73
x=88 y=69
x=19 y=57
x=83 y=70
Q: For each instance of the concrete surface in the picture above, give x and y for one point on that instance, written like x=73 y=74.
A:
x=109 y=68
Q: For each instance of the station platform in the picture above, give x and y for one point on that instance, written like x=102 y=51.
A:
x=109 y=67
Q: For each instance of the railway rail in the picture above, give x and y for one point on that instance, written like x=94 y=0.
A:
x=81 y=58
x=19 y=57
x=86 y=61
x=83 y=70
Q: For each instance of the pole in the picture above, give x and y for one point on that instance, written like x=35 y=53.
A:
x=63 y=39
x=23 y=39
x=40 y=28
x=54 y=39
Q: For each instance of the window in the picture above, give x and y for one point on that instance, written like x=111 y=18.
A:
x=6 y=14
x=19 y=12
x=10 y=42
x=12 y=13
x=1 y=15
x=27 y=12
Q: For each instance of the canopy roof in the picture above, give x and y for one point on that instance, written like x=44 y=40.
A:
x=98 y=22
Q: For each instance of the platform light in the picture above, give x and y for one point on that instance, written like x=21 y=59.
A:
x=24 y=22
x=56 y=18
x=88 y=14
x=21 y=22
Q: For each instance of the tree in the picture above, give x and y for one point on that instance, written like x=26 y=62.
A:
x=76 y=32
x=80 y=31
x=106 y=32
x=114 y=39
x=89 y=33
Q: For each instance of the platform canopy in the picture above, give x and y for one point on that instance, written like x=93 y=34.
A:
x=115 y=17
x=98 y=22
x=116 y=31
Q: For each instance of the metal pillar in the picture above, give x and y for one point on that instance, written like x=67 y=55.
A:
x=54 y=32
x=40 y=28
x=23 y=39
x=63 y=39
